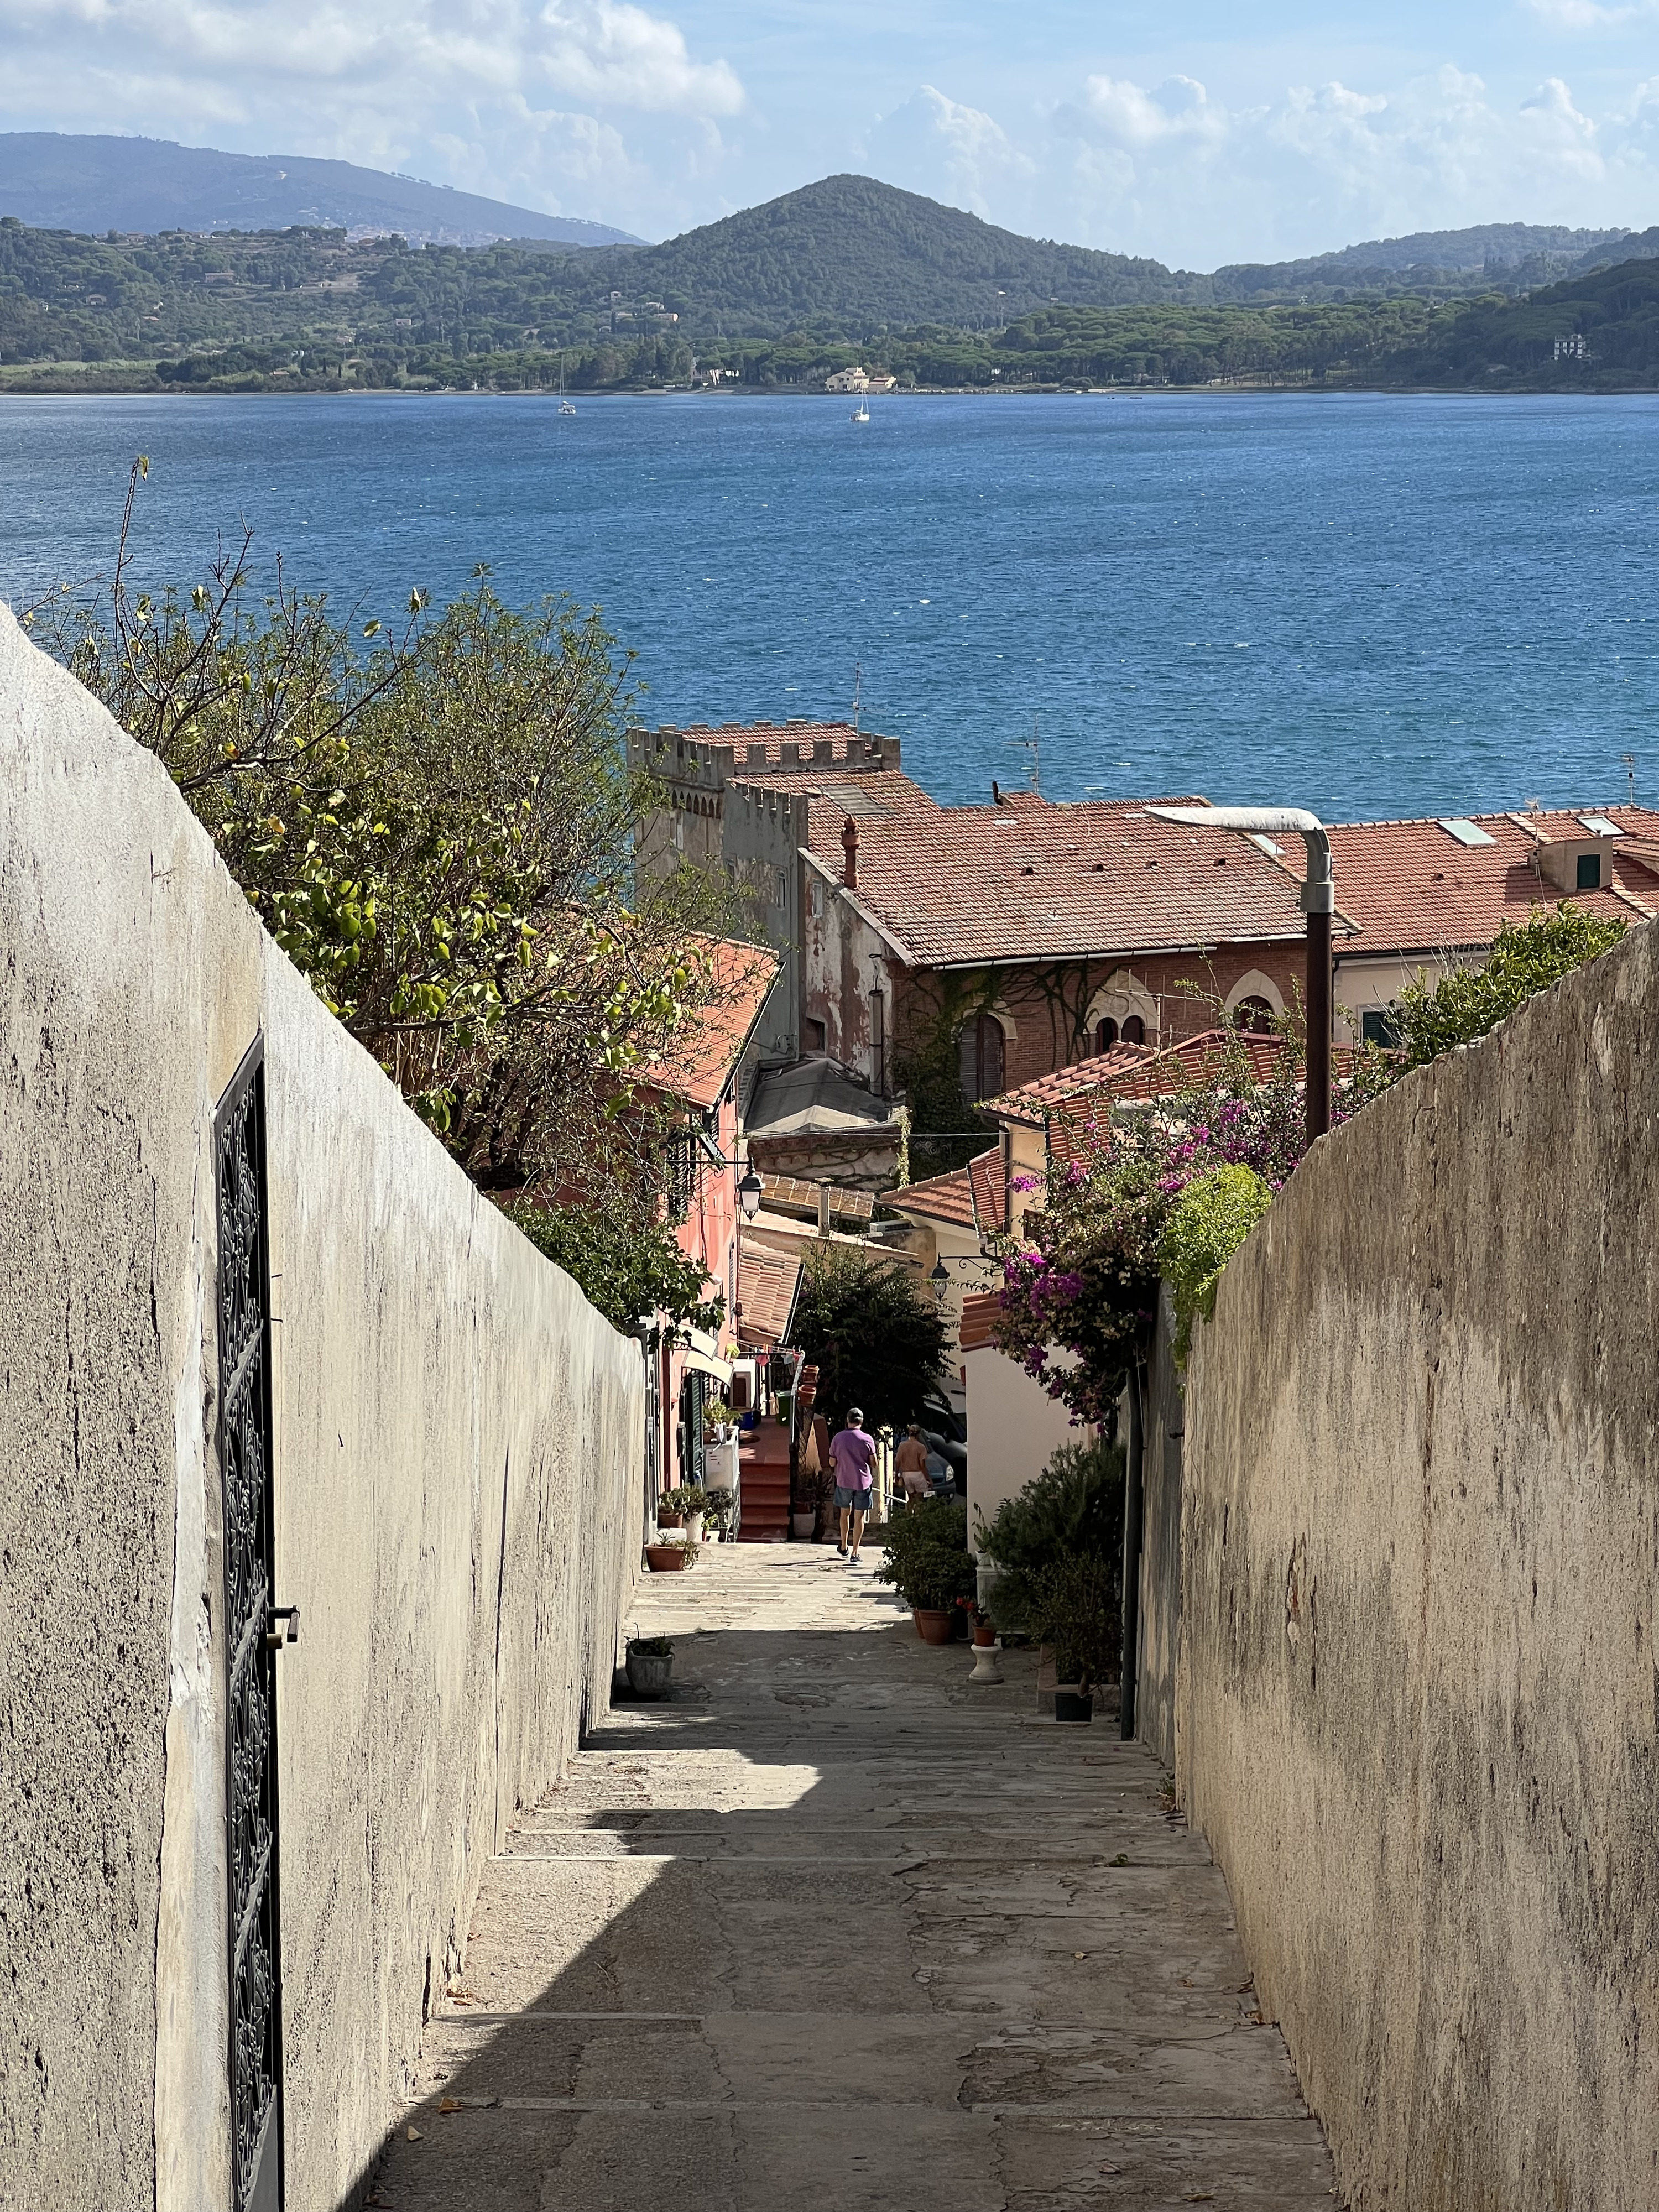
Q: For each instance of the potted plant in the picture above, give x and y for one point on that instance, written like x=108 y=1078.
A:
x=929 y=1563
x=673 y=1555
x=688 y=1502
x=650 y=1664
x=814 y=1486
x=722 y=1511
x=1074 y=1607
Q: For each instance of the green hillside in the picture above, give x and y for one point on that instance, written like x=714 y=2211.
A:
x=1598 y=333
x=781 y=295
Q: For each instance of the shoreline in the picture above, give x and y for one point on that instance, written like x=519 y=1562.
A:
x=43 y=386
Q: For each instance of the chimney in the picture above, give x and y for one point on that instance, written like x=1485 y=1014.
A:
x=849 y=846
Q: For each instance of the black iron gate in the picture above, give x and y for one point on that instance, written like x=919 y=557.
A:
x=251 y=1638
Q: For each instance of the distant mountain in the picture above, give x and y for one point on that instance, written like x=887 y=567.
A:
x=1506 y=257
x=97 y=184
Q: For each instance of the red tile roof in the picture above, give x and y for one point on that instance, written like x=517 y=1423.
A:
x=781 y=1193
x=1411 y=886
x=1074 y=1125
x=940 y=1198
x=957 y=885
x=1031 y=1103
x=990 y=1192
x=979 y=1312
x=973 y=1197
x=699 y=1064
x=767 y=1285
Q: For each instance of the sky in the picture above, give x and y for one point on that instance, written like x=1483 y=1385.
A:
x=1199 y=133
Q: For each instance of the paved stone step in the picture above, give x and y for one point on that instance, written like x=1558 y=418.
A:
x=835 y=1932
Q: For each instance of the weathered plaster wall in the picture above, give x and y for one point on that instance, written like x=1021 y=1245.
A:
x=1162 y=1444
x=1419 y=1707
x=459 y=1450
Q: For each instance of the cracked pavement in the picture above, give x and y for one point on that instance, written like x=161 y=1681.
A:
x=832 y=1928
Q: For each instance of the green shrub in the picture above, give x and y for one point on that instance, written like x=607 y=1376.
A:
x=927 y=1560
x=1074 y=1607
x=1205 y=1226
x=1527 y=956
x=1073 y=1510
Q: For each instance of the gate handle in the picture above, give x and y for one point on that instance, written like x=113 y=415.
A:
x=275 y=1638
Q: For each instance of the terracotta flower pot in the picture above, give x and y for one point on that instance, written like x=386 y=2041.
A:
x=668 y=1558
x=984 y=1632
x=932 y=1627
x=669 y=1520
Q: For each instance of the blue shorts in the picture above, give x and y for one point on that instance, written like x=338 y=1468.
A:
x=854 y=1501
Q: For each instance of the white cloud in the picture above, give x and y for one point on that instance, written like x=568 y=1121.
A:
x=934 y=144
x=520 y=98
x=1171 y=170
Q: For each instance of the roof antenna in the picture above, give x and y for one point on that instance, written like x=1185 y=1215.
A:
x=858 y=696
x=1629 y=759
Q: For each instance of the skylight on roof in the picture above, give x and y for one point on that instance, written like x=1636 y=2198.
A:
x=1599 y=826
x=1265 y=844
x=1468 y=833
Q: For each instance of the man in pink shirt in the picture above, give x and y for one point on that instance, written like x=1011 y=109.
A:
x=854 y=1455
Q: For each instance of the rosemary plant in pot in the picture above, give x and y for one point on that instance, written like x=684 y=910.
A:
x=1074 y=1607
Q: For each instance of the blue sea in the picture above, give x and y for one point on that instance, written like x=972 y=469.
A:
x=1372 y=606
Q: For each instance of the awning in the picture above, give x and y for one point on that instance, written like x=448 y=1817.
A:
x=702 y=1362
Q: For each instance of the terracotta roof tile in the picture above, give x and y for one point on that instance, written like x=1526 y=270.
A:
x=990 y=1192
x=1074 y=1125
x=794 y=1194
x=699 y=1065
x=1043 y=881
x=1411 y=886
x=979 y=1312
x=768 y=1284
x=1031 y=1103
x=940 y=1198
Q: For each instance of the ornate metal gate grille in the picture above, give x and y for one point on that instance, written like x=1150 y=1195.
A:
x=245 y=1461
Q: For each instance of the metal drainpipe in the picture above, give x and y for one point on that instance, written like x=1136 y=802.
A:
x=1132 y=1529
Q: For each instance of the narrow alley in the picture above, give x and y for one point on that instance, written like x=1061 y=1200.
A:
x=832 y=1929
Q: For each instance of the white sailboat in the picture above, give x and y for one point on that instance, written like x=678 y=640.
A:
x=565 y=406
x=861 y=412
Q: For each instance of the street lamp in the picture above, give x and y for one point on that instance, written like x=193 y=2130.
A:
x=750 y=1194
x=939 y=1279
x=1317 y=902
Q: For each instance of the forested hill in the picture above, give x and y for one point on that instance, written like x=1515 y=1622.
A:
x=780 y=296
x=851 y=254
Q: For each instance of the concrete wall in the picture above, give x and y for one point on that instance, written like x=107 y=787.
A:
x=1418 y=1706
x=458 y=1472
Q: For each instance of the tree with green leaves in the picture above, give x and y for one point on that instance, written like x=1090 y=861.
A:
x=435 y=824
x=872 y=1331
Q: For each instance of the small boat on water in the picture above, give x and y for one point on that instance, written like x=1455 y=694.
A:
x=565 y=406
x=860 y=413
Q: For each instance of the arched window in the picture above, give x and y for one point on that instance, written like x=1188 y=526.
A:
x=981 y=1049
x=1105 y=1035
x=1254 y=1016
x=1133 y=1031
